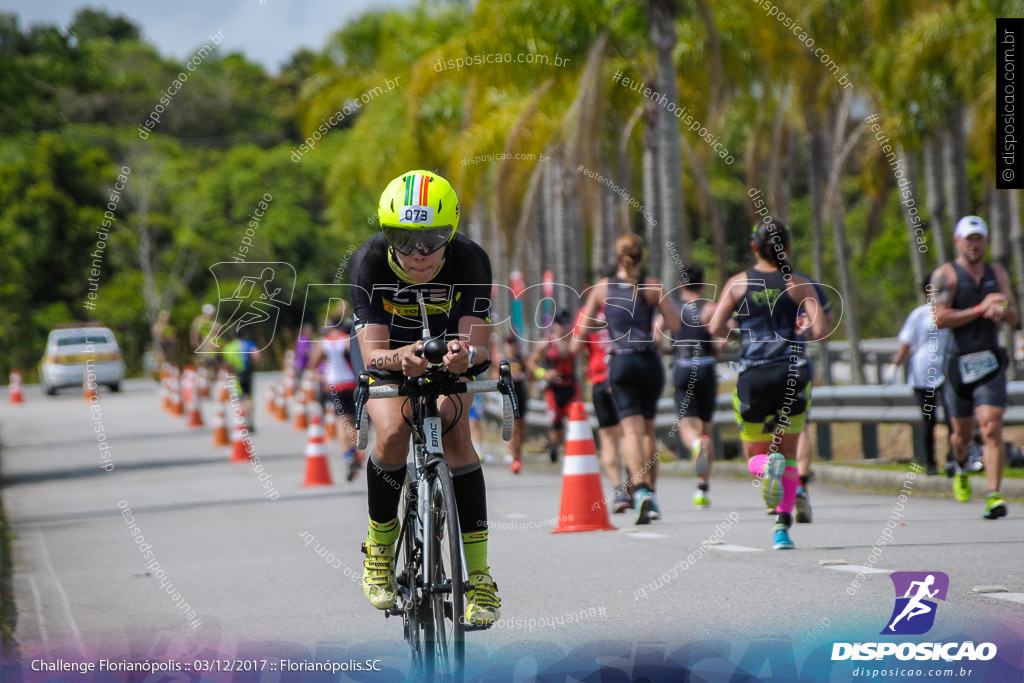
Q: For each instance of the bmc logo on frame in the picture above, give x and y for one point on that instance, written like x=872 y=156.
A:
x=914 y=614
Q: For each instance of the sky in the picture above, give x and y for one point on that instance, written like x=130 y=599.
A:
x=267 y=31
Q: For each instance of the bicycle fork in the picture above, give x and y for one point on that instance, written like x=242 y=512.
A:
x=431 y=449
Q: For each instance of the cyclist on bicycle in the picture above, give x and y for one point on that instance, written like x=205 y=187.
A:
x=418 y=255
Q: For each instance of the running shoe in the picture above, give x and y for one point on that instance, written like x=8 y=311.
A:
x=700 y=456
x=642 y=507
x=804 y=515
x=961 y=486
x=553 y=452
x=771 y=487
x=354 y=464
x=622 y=501
x=700 y=499
x=655 y=510
x=483 y=606
x=379 y=583
x=516 y=466
x=782 y=540
x=995 y=506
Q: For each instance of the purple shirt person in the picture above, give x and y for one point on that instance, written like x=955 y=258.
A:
x=303 y=349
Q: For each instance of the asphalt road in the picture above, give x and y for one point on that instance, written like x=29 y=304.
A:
x=272 y=579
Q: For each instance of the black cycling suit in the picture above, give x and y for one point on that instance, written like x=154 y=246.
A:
x=462 y=287
x=772 y=388
x=694 y=374
x=634 y=372
x=979 y=335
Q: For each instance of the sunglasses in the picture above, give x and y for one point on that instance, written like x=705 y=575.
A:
x=424 y=240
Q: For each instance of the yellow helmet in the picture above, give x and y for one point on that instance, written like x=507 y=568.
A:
x=418 y=211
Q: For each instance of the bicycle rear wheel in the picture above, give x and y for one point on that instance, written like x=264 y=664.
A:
x=446 y=578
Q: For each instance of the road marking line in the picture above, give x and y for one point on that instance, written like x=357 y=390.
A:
x=39 y=611
x=1009 y=597
x=858 y=569
x=644 y=534
x=63 y=594
x=730 y=548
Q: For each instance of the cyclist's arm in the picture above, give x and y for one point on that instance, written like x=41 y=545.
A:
x=315 y=356
x=375 y=345
x=475 y=333
x=721 y=312
x=533 y=360
x=586 y=319
x=944 y=283
x=668 y=311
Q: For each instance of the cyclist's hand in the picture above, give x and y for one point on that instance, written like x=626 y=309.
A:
x=456 y=361
x=992 y=302
x=413 y=365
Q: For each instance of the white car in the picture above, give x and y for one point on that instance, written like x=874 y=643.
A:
x=70 y=349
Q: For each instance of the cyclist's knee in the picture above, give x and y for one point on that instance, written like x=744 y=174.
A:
x=392 y=443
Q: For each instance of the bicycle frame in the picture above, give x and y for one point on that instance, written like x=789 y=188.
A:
x=425 y=607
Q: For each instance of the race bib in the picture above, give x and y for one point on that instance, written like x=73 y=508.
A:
x=976 y=366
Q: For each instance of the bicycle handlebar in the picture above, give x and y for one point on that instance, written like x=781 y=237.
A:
x=444 y=384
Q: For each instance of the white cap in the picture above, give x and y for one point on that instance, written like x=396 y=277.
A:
x=208 y=309
x=970 y=225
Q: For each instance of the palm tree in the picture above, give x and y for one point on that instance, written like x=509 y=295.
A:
x=661 y=15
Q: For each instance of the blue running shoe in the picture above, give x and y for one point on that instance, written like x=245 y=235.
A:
x=782 y=540
x=643 y=502
x=655 y=510
x=771 y=487
x=804 y=514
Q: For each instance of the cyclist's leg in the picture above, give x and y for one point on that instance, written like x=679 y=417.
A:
x=482 y=604
x=468 y=480
x=631 y=419
x=385 y=477
x=650 y=380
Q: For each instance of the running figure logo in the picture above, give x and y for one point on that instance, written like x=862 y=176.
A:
x=259 y=291
x=914 y=612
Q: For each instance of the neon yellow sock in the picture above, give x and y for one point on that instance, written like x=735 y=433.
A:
x=475 y=544
x=385 y=533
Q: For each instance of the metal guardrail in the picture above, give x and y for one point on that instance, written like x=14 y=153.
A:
x=869 y=405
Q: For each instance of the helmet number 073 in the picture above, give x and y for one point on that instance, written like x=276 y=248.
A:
x=417 y=215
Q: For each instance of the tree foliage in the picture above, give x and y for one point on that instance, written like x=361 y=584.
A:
x=401 y=90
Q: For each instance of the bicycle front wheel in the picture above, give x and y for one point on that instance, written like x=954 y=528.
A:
x=446 y=577
x=412 y=600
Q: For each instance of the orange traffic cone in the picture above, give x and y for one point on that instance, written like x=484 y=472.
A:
x=271 y=394
x=280 y=406
x=177 y=409
x=88 y=388
x=203 y=382
x=188 y=386
x=582 y=500
x=308 y=386
x=318 y=473
x=195 y=418
x=301 y=422
x=14 y=390
x=222 y=387
x=240 y=451
x=220 y=428
x=330 y=424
